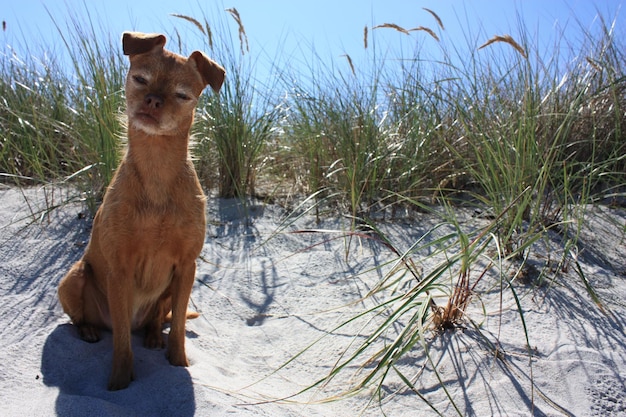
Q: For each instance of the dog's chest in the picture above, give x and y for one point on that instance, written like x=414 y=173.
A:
x=153 y=274
x=150 y=234
x=162 y=242
x=151 y=241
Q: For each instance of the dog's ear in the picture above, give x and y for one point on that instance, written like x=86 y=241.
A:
x=134 y=43
x=212 y=73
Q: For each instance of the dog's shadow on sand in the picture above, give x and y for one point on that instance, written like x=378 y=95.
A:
x=81 y=370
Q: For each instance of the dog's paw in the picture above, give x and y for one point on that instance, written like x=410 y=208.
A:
x=177 y=358
x=120 y=380
x=153 y=340
x=89 y=333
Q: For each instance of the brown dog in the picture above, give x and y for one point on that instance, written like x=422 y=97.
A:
x=141 y=259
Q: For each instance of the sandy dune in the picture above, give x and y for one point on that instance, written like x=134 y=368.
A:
x=267 y=292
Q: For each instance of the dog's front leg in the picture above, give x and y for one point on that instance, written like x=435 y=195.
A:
x=182 y=283
x=120 y=295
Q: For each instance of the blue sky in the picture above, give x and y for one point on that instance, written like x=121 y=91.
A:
x=333 y=27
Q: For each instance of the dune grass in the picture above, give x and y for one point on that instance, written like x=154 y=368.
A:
x=233 y=127
x=61 y=124
x=490 y=125
x=526 y=142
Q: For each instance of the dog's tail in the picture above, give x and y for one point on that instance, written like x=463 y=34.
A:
x=190 y=316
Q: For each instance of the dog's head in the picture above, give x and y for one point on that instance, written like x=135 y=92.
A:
x=162 y=88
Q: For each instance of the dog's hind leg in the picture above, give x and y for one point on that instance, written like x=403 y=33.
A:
x=71 y=293
x=153 y=338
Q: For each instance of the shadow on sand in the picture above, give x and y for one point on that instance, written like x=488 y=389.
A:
x=80 y=370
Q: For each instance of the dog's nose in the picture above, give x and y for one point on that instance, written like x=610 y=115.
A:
x=153 y=101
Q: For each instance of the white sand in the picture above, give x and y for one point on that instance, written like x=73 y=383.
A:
x=265 y=296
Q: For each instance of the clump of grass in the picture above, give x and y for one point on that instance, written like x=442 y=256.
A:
x=531 y=150
x=99 y=95
x=537 y=144
x=34 y=113
x=341 y=133
x=61 y=124
x=499 y=147
x=501 y=122
x=425 y=290
x=419 y=162
x=237 y=124
x=359 y=131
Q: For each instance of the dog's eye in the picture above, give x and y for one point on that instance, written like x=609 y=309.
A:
x=183 y=96
x=140 y=80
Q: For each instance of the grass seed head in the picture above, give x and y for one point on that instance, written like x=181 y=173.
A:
x=506 y=39
x=350 y=63
x=427 y=30
x=191 y=20
x=365 y=37
x=439 y=22
x=392 y=26
x=243 y=37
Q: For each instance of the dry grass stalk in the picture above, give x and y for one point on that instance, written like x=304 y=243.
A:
x=407 y=32
x=454 y=311
x=350 y=63
x=593 y=64
x=506 y=39
x=427 y=30
x=243 y=37
x=392 y=26
x=365 y=37
x=190 y=19
x=209 y=35
x=439 y=22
